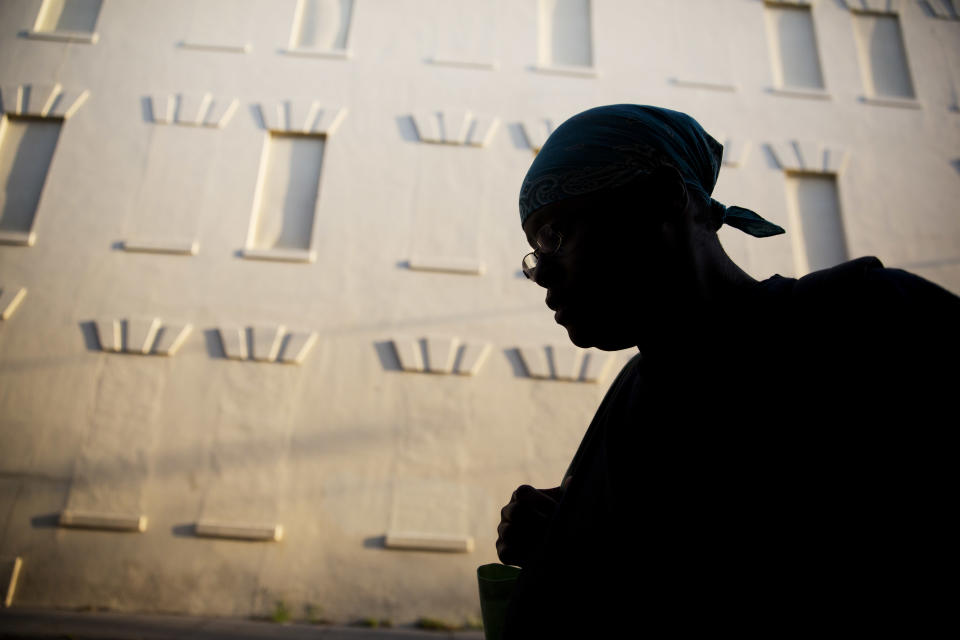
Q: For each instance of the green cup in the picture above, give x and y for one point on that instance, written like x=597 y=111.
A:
x=496 y=583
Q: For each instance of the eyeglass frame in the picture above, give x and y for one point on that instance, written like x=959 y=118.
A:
x=539 y=252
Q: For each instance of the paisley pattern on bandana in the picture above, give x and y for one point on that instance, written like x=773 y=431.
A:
x=607 y=147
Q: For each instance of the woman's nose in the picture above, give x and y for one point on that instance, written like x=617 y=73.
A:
x=545 y=272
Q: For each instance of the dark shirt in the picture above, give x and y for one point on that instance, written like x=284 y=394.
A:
x=789 y=469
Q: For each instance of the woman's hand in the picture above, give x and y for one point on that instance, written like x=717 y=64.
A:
x=523 y=523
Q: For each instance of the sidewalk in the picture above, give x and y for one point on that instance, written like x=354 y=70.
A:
x=48 y=624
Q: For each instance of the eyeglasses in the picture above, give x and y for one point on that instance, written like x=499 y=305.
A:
x=548 y=243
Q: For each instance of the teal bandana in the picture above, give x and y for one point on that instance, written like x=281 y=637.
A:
x=607 y=147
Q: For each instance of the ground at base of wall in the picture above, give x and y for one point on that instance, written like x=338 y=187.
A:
x=44 y=623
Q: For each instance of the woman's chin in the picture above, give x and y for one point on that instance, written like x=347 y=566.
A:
x=580 y=336
x=587 y=337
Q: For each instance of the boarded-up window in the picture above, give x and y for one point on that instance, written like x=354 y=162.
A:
x=883 y=57
x=287 y=194
x=171 y=198
x=322 y=25
x=565 y=34
x=793 y=47
x=819 y=238
x=68 y=15
x=26 y=149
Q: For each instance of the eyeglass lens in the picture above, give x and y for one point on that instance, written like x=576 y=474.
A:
x=548 y=242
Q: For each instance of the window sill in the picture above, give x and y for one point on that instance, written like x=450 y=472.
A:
x=280 y=255
x=580 y=72
x=336 y=54
x=704 y=84
x=173 y=247
x=268 y=533
x=18 y=238
x=903 y=103
x=461 y=266
x=210 y=46
x=800 y=92
x=429 y=542
x=83 y=37
x=108 y=522
x=486 y=65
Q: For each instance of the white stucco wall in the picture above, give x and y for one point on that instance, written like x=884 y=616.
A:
x=345 y=447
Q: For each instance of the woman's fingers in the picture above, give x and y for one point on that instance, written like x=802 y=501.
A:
x=523 y=523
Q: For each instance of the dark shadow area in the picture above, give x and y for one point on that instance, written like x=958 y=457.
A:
x=407 y=128
x=248 y=335
x=214 y=346
x=770 y=157
x=26 y=91
x=157 y=338
x=375 y=542
x=516 y=363
x=388 y=355
x=518 y=137
x=45 y=521
x=125 y=336
x=956 y=164
x=584 y=364
x=458 y=359
x=257 y=116
x=56 y=101
x=551 y=362
x=288 y=115
x=424 y=354
x=79 y=16
x=305 y=155
x=146 y=109
x=284 y=345
x=184 y=530
x=90 y=339
x=31 y=143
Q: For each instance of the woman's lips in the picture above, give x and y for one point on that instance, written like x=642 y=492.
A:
x=552 y=301
x=558 y=305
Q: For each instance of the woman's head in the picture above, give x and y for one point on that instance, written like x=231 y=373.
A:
x=607 y=258
x=624 y=187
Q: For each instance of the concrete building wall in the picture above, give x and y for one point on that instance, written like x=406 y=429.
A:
x=303 y=203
